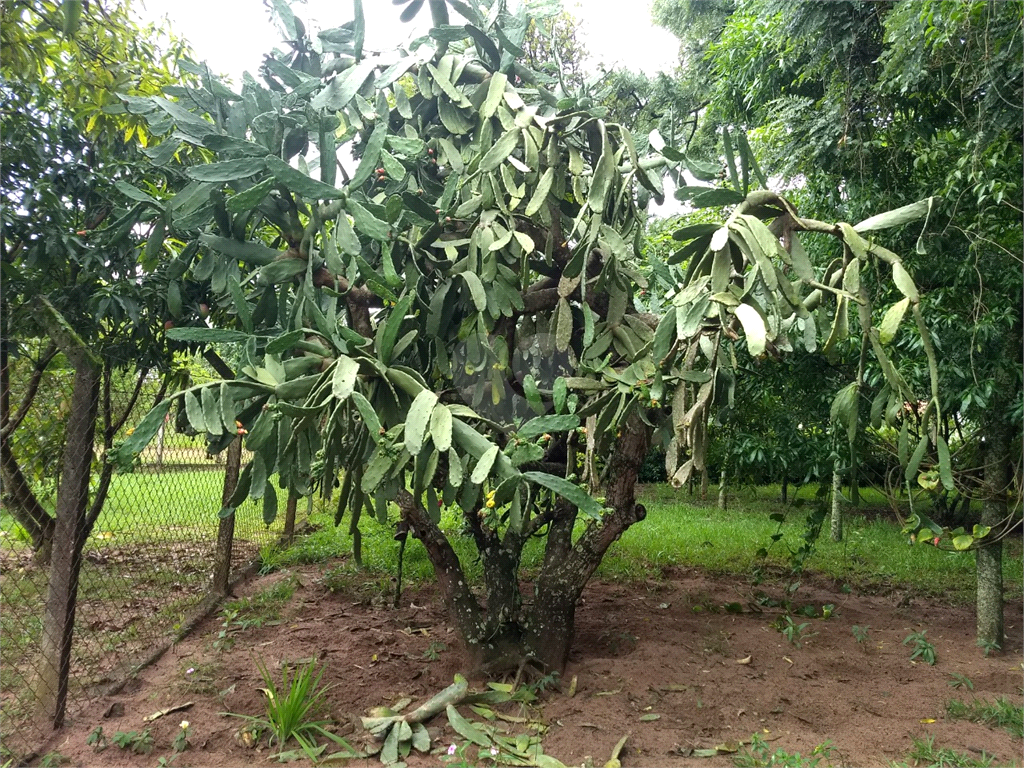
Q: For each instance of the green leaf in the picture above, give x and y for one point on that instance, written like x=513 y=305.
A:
x=133 y=193
x=194 y=412
x=269 y=504
x=567 y=490
x=228 y=170
x=890 y=322
x=664 y=336
x=368 y=414
x=441 y=427
x=695 y=230
x=174 y=299
x=371 y=153
x=602 y=181
x=563 y=325
x=341 y=89
x=495 y=91
x=476 y=290
x=299 y=183
x=227 y=406
x=466 y=729
x=420 y=738
x=211 y=412
x=500 y=150
x=71 y=10
x=281 y=271
x=345 y=238
x=753 y=328
x=716 y=197
x=207 y=335
x=904 y=282
x=540 y=193
x=543 y=424
x=483 y=466
x=144 y=432
x=393 y=326
x=367 y=223
x=253 y=253
x=343 y=382
x=895 y=218
x=250 y=198
x=945 y=467
x=916 y=458
x=417 y=419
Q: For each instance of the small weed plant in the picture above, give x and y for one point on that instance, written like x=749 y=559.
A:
x=862 y=635
x=434 y=651
x=97 y=739
x=136 y=742
x=759 y=754
x=920 y=647
x=181 y=742
x=795 y=634
x=53 y=759
x=293 y=708
x=989 y=646
x=1000 y=713
x=957 y=680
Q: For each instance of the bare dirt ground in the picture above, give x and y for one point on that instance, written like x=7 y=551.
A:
x=663 y=648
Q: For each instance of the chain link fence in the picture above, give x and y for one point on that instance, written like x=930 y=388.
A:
x=147 y=549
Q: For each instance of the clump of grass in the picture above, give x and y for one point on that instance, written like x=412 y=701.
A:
x=1001 y=713
x=266 y=604
x=293 y=709
x=924 y=752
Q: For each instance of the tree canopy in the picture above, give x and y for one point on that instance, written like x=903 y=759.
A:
x=449 y=321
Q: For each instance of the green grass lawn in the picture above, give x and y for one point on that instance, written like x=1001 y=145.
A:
x=677 y=533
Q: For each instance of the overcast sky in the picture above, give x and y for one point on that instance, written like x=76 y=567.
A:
x=233 y=35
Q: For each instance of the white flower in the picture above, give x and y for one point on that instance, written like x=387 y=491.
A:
x=451 y=750
x=184 y=725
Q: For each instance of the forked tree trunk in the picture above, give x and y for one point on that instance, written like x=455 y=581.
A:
x=69 y=537
x=505 y=632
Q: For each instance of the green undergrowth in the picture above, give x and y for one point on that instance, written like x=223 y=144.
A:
x=874 y=555
x=999 y=713
x=926 y=753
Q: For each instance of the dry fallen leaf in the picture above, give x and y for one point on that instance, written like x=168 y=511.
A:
x=743 y=660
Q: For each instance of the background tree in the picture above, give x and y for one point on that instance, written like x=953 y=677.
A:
x=70 y=229
x=85 y=295
x=438 y=321
x=870 y=105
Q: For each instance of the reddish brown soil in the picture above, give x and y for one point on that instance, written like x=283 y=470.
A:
x=664 y=648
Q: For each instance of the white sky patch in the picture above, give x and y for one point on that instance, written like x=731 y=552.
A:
x=233 y=35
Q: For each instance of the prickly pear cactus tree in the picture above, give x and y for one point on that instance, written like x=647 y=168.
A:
x=427 y=258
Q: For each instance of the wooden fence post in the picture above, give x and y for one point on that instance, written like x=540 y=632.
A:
x=226 y=529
